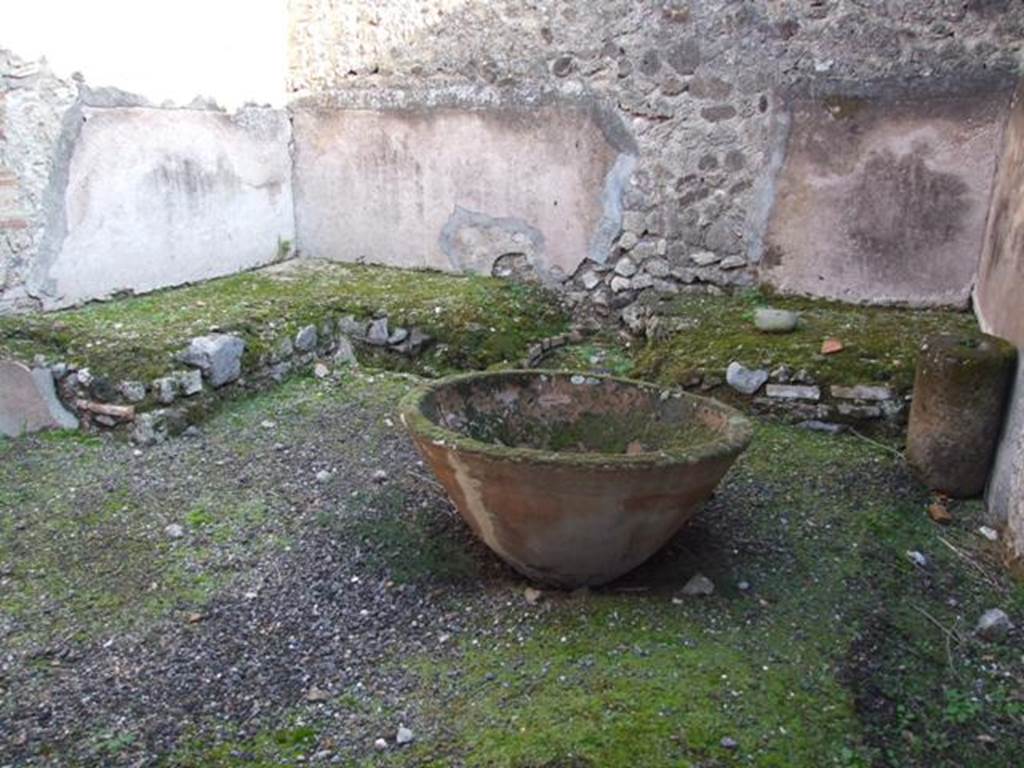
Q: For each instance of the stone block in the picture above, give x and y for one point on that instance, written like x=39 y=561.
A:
x=793 y=392
x=862 y=392
x=218 y=356
x=305 y=339
x=859 y=412
x=28 y=401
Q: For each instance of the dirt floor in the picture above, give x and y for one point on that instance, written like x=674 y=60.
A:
x=287 y=586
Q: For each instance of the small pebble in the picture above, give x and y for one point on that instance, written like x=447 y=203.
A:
x=989 y=533
x=699 y=586
x=743 y=586
x=317 y=695
x=994 y=624
x=380 y=744
x=404 y=735
x=917 y=558
x=323 y=476
x=729 y=743
x=380 y=476
x=267 y=424
x=174 y=531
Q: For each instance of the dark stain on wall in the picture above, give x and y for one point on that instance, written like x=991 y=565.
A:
x=772 y=256
x=187 y=177
x=899 y=208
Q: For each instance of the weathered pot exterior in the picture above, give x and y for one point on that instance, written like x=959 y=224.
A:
x=575 y=518
x=961 y=388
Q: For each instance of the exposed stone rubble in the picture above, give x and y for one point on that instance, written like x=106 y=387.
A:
x=621 y=287
x=536 y=353
x=219 y=357
x=206 y=367
x=744 y=380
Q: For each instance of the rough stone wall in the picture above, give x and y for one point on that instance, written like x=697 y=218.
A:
x=33 y=106
x=704 y=86
x=998 y=302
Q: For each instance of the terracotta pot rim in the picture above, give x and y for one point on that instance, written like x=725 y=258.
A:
x=731 y=441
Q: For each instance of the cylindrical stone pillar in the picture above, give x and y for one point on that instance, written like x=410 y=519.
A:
x=960 y=392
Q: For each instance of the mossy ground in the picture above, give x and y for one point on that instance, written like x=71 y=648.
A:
x=840 y=651
x=881 y=344
x=86 y=552
x=478 y=321
x=83 y=540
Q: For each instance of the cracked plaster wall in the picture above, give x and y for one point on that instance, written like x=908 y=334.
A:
x=456 y=189
x=101 y=193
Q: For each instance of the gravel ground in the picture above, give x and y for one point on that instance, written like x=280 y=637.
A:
x=321 y=590
x=314 y=610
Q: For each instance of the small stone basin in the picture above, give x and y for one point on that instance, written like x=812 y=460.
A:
x=573 y=479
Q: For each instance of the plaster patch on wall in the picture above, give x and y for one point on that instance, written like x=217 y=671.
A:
x=1005 y=492
x=610 y=226
x=931 y=208
x=997 y=300
x=764 y=187
x=36 y=109
x=474 y=242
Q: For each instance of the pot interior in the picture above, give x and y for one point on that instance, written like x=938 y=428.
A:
x=561 y=412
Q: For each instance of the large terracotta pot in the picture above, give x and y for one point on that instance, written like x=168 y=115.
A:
x=572 y=479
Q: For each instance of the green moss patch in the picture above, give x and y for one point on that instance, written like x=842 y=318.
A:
x=478 y=321
x=268 y=749
x=881 y=344
x=84 y=546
